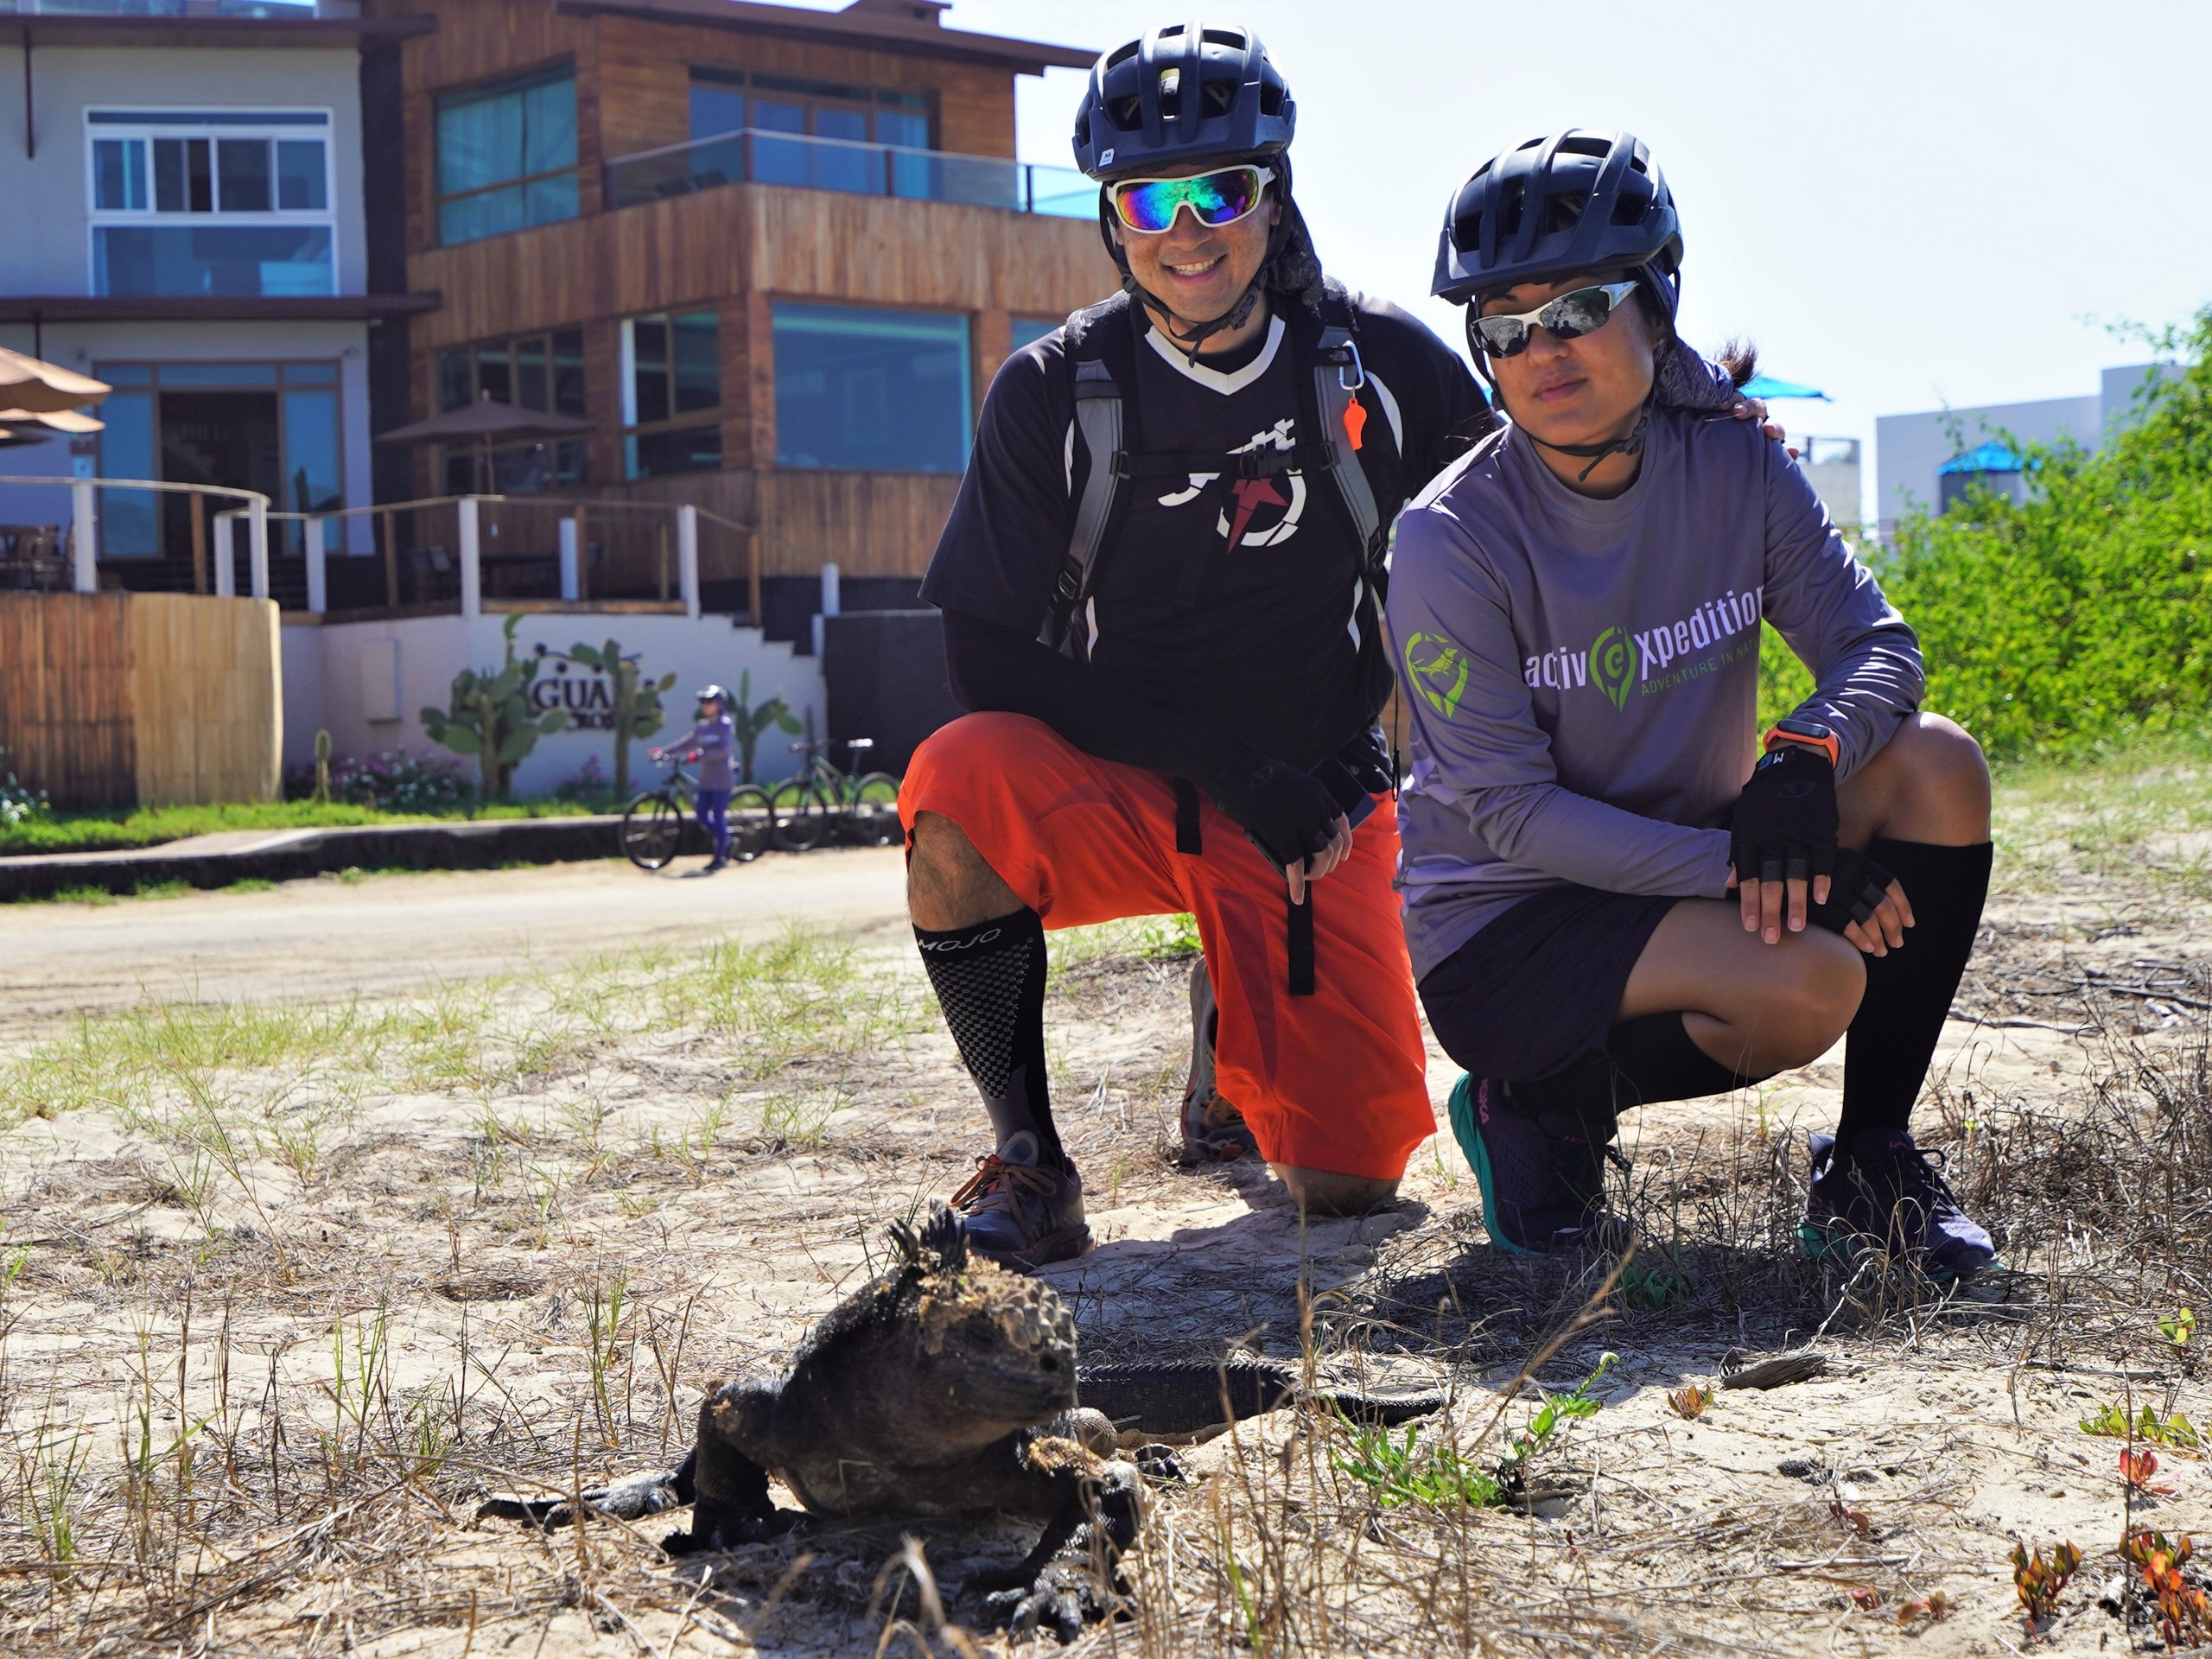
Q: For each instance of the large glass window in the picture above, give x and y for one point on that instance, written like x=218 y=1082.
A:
x=531 y=371
x=506 y=156
x=271 y=427
x=671 y=377
x=874 y=391
x=212 y=201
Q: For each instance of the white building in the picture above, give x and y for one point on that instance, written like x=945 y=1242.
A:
x=1912 y=452
x=184 y=198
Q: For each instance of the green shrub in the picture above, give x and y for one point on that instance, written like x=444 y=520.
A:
x=2085 y=611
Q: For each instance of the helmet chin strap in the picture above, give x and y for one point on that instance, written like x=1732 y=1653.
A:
x=1629 y=444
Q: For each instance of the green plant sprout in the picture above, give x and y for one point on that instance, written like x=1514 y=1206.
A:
x=2178 y=1326
x=1557 y=1411
x=1401 y=1472
x=2145 y=1425
x=490 y=716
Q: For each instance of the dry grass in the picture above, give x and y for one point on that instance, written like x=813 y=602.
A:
x=285 y=1290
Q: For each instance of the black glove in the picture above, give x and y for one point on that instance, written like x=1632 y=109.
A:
x=1288 y=814
x=1785 y=821
x=1856 y=887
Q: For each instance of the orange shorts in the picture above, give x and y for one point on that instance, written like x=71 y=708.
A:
x=1334 y=1081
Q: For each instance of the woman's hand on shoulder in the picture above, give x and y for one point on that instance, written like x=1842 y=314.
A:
x=1754 y=409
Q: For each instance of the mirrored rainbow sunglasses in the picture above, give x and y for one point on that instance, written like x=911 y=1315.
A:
x=1148 y=206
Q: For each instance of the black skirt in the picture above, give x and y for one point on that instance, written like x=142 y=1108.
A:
x=1537 y=990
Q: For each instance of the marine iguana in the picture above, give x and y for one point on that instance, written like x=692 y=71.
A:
x=947 y=1385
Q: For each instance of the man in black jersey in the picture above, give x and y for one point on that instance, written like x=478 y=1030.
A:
x=1160 y=586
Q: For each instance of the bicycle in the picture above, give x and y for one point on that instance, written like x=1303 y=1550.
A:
x=822 y=799
x=653 y=824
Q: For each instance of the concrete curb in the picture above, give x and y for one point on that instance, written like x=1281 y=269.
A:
x=286 y=856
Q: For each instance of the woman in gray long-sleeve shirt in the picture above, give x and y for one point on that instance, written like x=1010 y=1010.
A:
x=1606 y=901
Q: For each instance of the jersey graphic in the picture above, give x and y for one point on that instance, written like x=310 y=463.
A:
x=1252 y=499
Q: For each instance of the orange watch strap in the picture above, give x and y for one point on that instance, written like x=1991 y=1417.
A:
x=1829 y=745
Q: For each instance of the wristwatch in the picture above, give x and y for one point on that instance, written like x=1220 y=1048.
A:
x=1806 y=733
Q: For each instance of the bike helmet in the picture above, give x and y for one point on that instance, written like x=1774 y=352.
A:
x=718 y=693
x=1136 y=123
x=1577 y=201
x=1135 y=120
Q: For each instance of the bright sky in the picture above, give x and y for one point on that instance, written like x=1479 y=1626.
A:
x=1907 y=203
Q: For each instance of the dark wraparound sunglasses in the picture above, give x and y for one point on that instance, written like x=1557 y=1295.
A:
x=1582 y=311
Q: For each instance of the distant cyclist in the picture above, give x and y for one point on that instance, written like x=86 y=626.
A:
x=712 y=742
x=1617 y=890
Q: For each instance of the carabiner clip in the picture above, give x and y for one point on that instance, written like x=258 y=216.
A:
x=1358 y=371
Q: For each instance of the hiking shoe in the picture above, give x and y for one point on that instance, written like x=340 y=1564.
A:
x=1213 y=1130
x=1021 y=1213
x=1543 y=1192
x=1882 y=1193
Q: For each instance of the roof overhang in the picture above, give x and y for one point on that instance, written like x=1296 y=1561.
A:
x=212 y=307
x=846 y=28
x=225 y=34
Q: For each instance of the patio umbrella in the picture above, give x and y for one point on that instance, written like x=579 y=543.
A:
x=28 y=384
x=484 y=423
x=1765 y=385
x=53 y=420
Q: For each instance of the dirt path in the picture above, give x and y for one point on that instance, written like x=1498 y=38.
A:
x=392 y=934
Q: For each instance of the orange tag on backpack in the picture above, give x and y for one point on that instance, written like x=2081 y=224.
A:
x=1355 y=423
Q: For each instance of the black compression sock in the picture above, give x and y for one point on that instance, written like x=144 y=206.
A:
x=989 y=980
x=1659 y=1060
x=1909 y=992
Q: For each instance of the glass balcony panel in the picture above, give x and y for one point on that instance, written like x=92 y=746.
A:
x=229 y=259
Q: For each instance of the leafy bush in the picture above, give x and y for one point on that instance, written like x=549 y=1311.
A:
x=2050 y=624
x=394 y=781
x=19 y=804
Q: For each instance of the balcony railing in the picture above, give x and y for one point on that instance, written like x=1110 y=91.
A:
x=179 y=8
x=751 y=154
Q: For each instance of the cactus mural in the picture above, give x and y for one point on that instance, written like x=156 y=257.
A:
x=637 y=711
x=491 y=717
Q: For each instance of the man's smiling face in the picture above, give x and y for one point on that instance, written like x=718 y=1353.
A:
x=1200 y=273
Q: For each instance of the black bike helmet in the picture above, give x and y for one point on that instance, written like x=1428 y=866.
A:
x=1577 y=201
x=1135 y=120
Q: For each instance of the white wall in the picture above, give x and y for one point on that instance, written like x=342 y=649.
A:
x=328 y=671
x=49 y=194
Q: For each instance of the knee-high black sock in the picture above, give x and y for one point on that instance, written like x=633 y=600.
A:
x=1909 y=992
x=989 y=980
x=1659 y=1060
x=1645 y=1061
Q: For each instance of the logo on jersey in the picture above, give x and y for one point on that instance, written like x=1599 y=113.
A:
x=1612 y=664
x=1262 y=512
x=1438 y=670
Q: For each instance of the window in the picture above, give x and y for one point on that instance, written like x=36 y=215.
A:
x=727 y=100
x=532 y=372
x=506 y=156
x=1028 y=331
x=672 y=393
x=271 y=427
x=212 y=201
x=876 y=390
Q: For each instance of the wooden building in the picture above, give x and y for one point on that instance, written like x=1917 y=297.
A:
x=772 y=255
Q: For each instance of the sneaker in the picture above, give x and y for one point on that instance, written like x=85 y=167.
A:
x=1886 y=1193
x=1543 y=1192
x=717 y=862
x=1018 y=1212
x=1213 y=1130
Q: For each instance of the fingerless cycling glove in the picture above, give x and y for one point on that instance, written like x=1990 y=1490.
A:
x=1785 y=820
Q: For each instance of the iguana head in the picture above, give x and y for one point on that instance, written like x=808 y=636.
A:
x=996 y=1349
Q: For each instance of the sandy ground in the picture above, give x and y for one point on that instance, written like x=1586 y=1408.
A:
x=391 y=934
x=481 y=1225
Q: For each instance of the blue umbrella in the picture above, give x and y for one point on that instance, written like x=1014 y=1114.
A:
x=1765 y=385
x=1990 y=457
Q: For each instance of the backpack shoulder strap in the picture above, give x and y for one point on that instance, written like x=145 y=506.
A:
x=1098 y=421
x=1338 y=376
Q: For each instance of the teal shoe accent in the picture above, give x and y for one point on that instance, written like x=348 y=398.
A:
x=1467 y=1131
